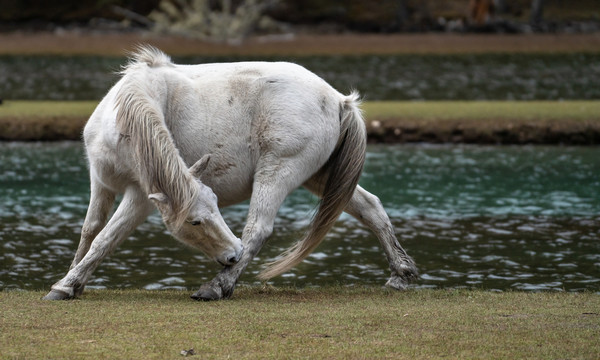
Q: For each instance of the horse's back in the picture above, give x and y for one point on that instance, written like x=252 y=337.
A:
x=238 y=112
x=245 y=110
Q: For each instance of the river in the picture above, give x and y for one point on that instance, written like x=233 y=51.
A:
x=496 y=218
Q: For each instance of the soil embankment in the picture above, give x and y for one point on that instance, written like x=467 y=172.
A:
x=501 y=132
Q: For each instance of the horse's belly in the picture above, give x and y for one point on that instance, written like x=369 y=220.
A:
x=230 y=180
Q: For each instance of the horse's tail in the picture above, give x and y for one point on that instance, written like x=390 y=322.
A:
x=141 y=123
x=342 y=172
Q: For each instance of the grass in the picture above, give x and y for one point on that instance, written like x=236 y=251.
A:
x=332 y=323
x=430 y=110
x=44 y=120
x=36 y=109
x=485 y=122
x=573 y=122
x=484 y=110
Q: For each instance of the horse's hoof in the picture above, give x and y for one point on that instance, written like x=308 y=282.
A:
x=57 y=295
x=208 y=294
x=396 y=282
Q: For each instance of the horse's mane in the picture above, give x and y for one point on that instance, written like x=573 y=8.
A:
x=141 y=123
x=146 y=55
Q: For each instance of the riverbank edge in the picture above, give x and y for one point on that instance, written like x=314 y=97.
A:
x=331 y=322
x=500 y=122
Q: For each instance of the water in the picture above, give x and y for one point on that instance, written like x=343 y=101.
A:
x=525 y=218
x=393 y=77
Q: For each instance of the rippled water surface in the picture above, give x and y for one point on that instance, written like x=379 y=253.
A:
x=393 y=77
x=501 y=218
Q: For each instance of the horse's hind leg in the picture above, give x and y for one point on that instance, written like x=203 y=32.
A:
x=101 y=202
x=367 y=208
x=134 y=208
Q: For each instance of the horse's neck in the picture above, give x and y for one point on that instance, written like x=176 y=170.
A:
x=160 y=167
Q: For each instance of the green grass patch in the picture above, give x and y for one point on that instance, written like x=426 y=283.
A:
x=330 y=323
x=483 y=110
x=485 y=122
x=36 y=109
x=430 y=110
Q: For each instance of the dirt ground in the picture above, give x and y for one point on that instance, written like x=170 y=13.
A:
x=117 y=44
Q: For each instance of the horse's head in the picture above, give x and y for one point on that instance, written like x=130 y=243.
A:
x=204 y=227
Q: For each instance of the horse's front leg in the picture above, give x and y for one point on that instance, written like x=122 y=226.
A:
x=368 y=209
x=134 y=208
x=222 y=286
x=101 y=202
x=264 y=204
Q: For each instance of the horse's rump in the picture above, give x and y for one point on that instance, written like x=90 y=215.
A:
x=342 y=172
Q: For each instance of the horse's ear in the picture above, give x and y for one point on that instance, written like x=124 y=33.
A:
x=159 y=199
x=200 y=165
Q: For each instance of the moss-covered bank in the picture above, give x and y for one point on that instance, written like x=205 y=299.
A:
x=489 y=122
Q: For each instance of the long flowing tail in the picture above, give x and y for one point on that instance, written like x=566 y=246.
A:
x=342 y=171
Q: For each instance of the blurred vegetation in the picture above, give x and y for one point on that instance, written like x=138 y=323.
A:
x=316 y=15
x=198 y=19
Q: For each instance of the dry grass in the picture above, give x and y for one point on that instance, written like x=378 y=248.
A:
x=330 y=323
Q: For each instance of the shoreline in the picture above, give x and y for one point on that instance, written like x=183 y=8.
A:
x=389 y=131
x=494 y=122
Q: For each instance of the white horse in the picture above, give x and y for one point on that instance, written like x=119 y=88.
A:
x=253 y=130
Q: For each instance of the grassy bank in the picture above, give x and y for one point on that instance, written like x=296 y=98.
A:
x=496 y=122
x=485 y=122
x=331 y=323
x=44 y=120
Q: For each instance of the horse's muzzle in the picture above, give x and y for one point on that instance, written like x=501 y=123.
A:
x=231 y=258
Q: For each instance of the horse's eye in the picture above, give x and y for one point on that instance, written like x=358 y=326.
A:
x=195 y=222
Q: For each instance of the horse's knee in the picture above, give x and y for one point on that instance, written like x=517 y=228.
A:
x=90 y=230
x=372 y=201
x=369 y=210
x=264 y=232
x=255 y=236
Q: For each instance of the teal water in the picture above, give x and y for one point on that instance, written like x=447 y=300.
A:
x=393 y=77
x=499 y=218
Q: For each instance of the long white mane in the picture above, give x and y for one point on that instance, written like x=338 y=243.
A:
x=141 y=122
